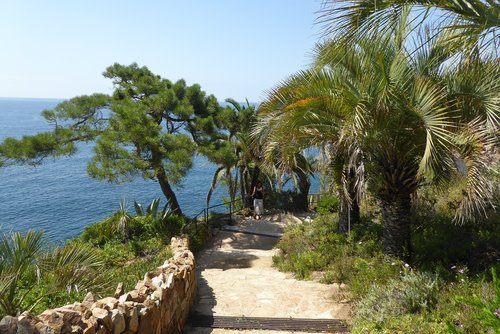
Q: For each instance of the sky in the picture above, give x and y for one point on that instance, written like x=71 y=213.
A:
x=233 y=48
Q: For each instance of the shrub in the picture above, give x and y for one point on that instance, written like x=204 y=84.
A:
x=413 y=292
x=101 y=232
x=167 y=227
x=328 y=204
x=376 y=270
x=471 y=307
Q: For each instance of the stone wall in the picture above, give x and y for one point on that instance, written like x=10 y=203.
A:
x=159 y=304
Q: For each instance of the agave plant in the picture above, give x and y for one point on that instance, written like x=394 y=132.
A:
x=152 y=210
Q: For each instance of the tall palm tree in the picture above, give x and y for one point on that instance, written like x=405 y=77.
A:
x=231 y=151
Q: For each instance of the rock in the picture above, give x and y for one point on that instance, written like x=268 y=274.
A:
x=125 y=298
x=118 y=322
x=102 y=330
x=133 y=320
x=169 y=280
x=103 y=317
x=90 y=325
x=26 y=324
x=8 y=325
x=109 y=303
x=119 y=290
x=136 y=297
x=88 y=300
x=157 y=281
x=76 y=330
x=60 y=320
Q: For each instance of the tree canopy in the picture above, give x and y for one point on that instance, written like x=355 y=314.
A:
x=149 y=127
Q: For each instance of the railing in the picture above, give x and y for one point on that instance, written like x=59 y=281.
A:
x=205 y=212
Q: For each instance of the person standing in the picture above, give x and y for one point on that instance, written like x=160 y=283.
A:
x=258 y=200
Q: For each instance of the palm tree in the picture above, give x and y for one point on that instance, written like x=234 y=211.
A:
x=392 y=109
x=466 y=25
x=300 y=113
x=231 y=151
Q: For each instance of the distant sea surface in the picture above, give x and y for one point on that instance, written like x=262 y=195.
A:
x=60 y=198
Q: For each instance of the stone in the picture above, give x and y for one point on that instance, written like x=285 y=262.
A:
x=118 y=322
x=119 y=290
x=125 y=298
x=109 y=303
x=149 y=321
x=102 y=330
x=158 y=281
x=157 y=294
x=90 y=325
x=103 y=317
x=76 y=330
x=27 y=324
x=8 y=325
x=145 y=290
x=169 y=280
x=88 y=300
x=133 y=320
x=136 y=297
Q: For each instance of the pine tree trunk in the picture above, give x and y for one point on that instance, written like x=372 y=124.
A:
x=168 y=192
x=396 y=225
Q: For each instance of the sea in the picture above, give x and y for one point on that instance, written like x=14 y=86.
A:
x=59 y=197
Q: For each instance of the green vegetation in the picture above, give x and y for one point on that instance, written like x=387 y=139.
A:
x=34 y=277
x=450 y=286
x=405 y=114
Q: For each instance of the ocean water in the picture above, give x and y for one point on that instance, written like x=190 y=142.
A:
x=60 y=198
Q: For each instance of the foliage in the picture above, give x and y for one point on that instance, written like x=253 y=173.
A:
x=413 y=292
x=487 y=309
x=469 y=25
x=389 y=295
x=317 y=246
x=30 y=273
x=436 y=238
x=288 y=200
x=148 y=127
x=328 y=204
x=231 y=150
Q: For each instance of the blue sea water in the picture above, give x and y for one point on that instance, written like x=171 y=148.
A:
x=60 y=198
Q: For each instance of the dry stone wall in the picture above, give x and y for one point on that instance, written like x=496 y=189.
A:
x=159 y=304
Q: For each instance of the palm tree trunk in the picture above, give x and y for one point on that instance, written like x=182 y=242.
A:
x=214 y=184
x=396 y=225
x=304 y=185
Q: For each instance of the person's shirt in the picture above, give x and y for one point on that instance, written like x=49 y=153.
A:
x=259 y=194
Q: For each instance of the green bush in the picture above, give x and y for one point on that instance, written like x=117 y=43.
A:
x=413 y=292
x=166 y=228
x=328 y=204
x=405 y=324
x=376 y=270
x=101 y=232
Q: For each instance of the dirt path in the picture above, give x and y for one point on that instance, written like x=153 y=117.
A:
x=236 y=278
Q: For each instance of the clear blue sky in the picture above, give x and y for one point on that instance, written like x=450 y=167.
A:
x=232 y=48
